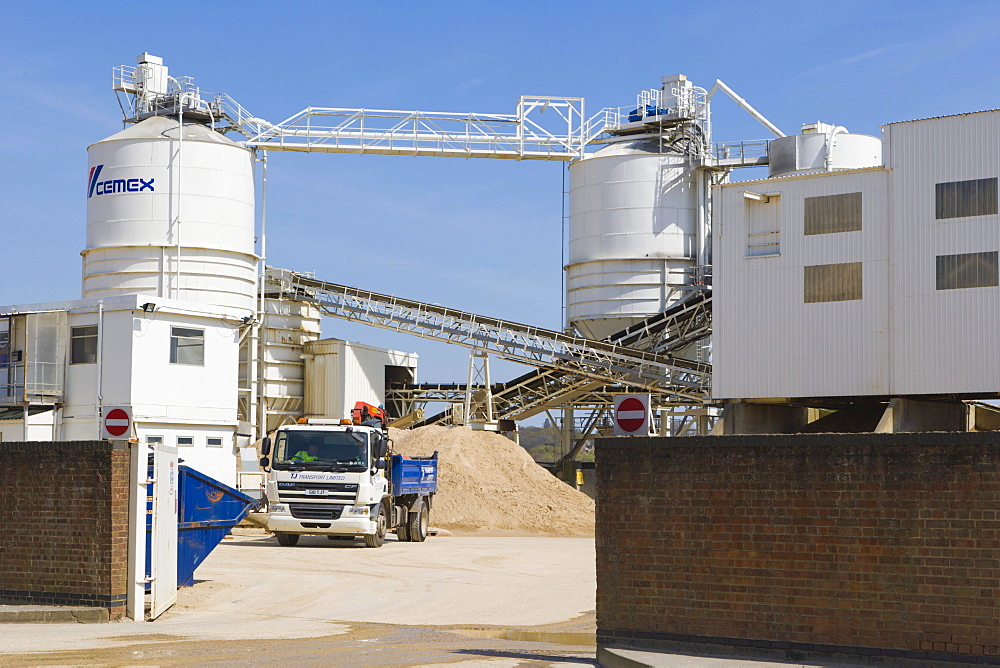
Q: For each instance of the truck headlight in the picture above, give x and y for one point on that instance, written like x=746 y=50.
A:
x=278 y=508
x=358 y=510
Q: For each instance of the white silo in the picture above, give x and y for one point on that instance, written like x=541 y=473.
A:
x=171 y=215
x=632 y=234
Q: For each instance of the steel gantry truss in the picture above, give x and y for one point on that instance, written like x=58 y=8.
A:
x=542 y=127
x=519 y=136
x=600 y=361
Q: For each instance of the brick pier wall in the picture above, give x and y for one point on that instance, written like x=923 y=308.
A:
x=64 y=524
x=881 y=545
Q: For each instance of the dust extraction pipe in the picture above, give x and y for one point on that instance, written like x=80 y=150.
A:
x=745 y=105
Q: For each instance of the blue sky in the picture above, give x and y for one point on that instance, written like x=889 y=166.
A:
x=480 y=235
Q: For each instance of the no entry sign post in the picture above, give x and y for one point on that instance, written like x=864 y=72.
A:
x=632 y=415
x=116 y=422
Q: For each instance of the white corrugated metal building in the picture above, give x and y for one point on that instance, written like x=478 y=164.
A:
x=340 y=373
x=865 y=282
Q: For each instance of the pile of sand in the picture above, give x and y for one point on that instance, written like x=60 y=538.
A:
x=489 y=484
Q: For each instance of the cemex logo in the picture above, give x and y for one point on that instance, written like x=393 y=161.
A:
x=98 y=187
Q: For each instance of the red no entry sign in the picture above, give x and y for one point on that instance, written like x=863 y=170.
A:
x=632 y=415
x=116 y=423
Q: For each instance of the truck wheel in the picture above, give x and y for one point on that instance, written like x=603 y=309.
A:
x=418 y=523
x=287 y=539
x=403 y=532
x=376 y=539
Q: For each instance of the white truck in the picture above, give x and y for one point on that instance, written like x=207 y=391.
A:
x=336 y=478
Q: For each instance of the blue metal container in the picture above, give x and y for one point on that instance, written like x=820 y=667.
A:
x=413 y=475
x=206 y=510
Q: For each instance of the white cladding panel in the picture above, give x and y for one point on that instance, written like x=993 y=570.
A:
x=133 y=209
x=197 y=447
x=632 y=226
x=164 y=390
x=946 y=339
x=768 y=341
x=905 y=336
x=341 y=373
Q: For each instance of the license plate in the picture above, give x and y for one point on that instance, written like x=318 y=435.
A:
x=315 y=492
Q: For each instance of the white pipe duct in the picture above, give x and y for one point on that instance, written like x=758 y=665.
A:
x=744 y=105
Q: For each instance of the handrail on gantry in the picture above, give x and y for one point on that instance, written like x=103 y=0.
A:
x=519 y=136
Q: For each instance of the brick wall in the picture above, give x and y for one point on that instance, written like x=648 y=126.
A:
x=64 y=524
x=865 y=544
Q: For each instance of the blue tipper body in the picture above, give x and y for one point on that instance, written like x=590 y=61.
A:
x=416 y=475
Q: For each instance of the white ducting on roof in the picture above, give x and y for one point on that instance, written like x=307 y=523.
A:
x=823 y=147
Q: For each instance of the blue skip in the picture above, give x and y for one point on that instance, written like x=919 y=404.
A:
x=206 y=511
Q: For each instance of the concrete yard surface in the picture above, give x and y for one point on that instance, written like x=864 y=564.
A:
x=496 y=601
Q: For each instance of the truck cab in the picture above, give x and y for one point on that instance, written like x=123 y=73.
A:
x=329 y=477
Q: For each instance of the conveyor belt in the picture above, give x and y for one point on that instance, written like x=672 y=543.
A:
x=684 y=323
x=598 y=360
x=568 y=366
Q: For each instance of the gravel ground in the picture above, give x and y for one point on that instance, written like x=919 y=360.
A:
x=491 y=601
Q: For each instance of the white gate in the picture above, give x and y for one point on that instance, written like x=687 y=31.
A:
x=153 y=501
x=163 y=564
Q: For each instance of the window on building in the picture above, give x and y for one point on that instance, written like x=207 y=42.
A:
x=832 y=282
x=83 y=345
x=828 y=214
x=214 y=442
x=187 y=346
x=763 y=224
x=185 y=441
x=968 y=270
x=965 y=198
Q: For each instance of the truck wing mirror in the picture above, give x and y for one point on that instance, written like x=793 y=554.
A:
x=265 y=447
x=380 y=464
x=383 y=447
x=264 y=462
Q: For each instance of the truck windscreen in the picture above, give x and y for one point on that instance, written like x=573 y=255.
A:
x=321 y=450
